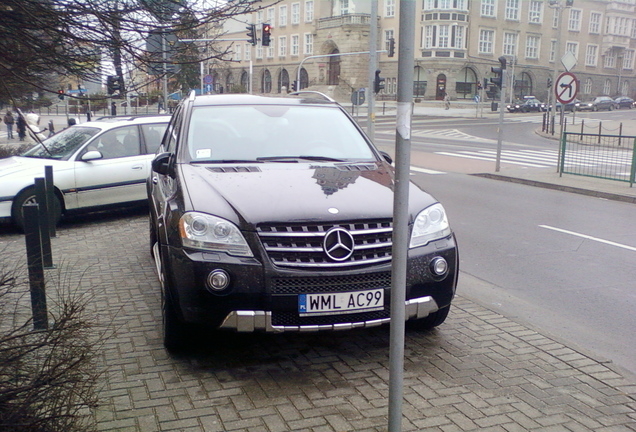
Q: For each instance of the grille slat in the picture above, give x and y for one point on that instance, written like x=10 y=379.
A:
x=301 y=245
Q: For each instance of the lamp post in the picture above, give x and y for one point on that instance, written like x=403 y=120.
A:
x=558 y=6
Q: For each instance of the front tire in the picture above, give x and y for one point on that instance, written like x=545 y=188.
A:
x=174 y=330
x=27 y=196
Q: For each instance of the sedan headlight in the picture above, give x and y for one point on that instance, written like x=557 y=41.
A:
x=211 y=233
x=430 y=224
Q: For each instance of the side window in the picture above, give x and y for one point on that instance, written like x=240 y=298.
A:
x=153 y=133
x=120 y=142
x=170 y=140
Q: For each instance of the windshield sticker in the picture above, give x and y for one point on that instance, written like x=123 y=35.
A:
x=204 y=153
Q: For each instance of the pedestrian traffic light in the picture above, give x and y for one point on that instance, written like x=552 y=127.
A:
x=60 y=94
x=251 y=34
x=114 y=84
x=391 y=47
x=549 y=82
x=267 y=32
x=498 y=71
x=378 y=83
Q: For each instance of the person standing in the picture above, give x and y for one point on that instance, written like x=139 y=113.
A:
x=9 y=121
x=21 y=125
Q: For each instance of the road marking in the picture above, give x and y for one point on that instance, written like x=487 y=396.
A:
x=587 y=237
x=426 y=171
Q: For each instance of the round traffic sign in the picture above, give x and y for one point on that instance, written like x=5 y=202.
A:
x=566 y=87
x=207 y=79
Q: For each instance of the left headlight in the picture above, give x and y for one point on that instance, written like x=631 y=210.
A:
x=210 y=233
x=430 y=224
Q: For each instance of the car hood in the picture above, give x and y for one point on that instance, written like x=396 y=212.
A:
x=274 y=192
x=24 y=166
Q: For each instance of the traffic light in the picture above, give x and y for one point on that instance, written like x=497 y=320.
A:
x=498 y=71
x=294 y=85
x=549 y=82
x=251 y=34
x=114 y=84
x=391 y=47
x=378 y=83
x=60 y=94
x=267 y=32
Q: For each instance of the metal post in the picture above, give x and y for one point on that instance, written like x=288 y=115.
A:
x=406 y=64
x=34 y=263
x=43 y=215
x=502 y=98
x=373 y=63
x=557 y=57
x=50 y=197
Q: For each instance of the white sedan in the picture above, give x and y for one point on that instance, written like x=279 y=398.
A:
x=95 y=164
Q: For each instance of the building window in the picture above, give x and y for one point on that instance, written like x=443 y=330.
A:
x=488 y=8
x=389 y=8
x=309 y=11
x=486 y=38
x=259 y=52
x=388 y=34
x=587 y=87
x=535 y=12
x=607 y=86
x=555 y=18
x=270 y=49
x=344 y=7
x=552 y=50
x=610 y=61
x=574 y=23
x=429 y=36
x=271 y=16
x=295 y=13
x=572 y=47
x=532 y=47
x=595 y=22
x=282 y=46
x=309 y=43
x=591 y=55
x=443 y=37
x=458 y=37
x=248 y=52
x=294 y=45
x=282 y=15
x=510 y=44
x=628 y=59
x=259 y=17
x=512 y=10
x=237 y=52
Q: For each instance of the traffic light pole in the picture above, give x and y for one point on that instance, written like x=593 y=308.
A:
x=373 y=61
x=502 y=98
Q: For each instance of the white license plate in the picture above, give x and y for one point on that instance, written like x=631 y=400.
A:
x=340 y=303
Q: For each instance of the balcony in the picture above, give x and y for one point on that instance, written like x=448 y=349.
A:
x=344 y=20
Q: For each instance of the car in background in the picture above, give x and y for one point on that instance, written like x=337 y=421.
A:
x=571 y=106
x=275 y=214
x=98 y=164
x=597 y=104
x=624 y=102
x=528 y=104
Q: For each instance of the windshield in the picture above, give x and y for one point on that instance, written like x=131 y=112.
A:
x=63 y=144
x=274 y=133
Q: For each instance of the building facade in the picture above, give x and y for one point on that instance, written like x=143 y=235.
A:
x=458 y=41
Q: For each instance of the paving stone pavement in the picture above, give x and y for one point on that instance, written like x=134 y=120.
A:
x=479 y=371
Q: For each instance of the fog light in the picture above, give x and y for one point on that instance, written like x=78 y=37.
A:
x=439 y=266
x=218 y=280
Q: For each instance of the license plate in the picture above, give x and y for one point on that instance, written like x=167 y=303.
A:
x=340 y=303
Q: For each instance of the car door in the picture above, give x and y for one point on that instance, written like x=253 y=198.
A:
x=119 y=176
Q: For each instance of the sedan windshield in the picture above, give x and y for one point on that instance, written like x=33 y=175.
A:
x=274 y=134
x=63 y=144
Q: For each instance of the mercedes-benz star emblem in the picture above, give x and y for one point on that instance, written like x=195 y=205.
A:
x=338 y=244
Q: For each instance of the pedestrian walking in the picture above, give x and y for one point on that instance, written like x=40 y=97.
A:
x=33 y=134
x=446 y=101
x=21 y=126
x=9 y=121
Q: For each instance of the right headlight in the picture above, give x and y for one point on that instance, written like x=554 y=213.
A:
x=430 y=224
x=210 y=233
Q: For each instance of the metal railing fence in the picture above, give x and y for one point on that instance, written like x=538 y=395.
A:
x=610 y=157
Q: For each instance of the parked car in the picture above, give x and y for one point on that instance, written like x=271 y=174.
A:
x=276 y=214
x=515 y=106
x=624 y=102
x=597 y=104
x=95 y=164
x=571 y=106
x=528 y=104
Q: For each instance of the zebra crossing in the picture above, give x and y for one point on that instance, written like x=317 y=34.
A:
x=547 y=158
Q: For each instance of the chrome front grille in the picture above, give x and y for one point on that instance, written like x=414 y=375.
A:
x=301 y=246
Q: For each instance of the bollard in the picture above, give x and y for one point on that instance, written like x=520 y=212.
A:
x=600 y=130
x=50 y=197
x=582 y=125
x=34 y=263
x=620 y=133
x=43 y=217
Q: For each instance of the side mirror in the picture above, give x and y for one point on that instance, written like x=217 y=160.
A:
x=386 y=157
x=91 y=155
x=161 y=164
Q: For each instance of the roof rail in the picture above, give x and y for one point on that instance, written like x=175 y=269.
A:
x=299 y=92
x=192 y=95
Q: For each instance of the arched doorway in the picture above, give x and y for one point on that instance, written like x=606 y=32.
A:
x=229 y=83
x=266 y=82
x=440 y=89
x=466 y=84
x=304 y=79
x=419 y=84
x=523 y=86
x=333 y=77
x=283 y=81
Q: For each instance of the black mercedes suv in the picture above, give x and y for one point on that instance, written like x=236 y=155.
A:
x=275 y=214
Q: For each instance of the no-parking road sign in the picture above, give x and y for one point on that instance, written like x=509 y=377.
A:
x=566 y=87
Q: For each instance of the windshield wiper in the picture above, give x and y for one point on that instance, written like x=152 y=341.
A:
x=227 y=161
x=297 y=158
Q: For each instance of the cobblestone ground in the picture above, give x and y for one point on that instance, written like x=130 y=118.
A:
x=479 y=371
